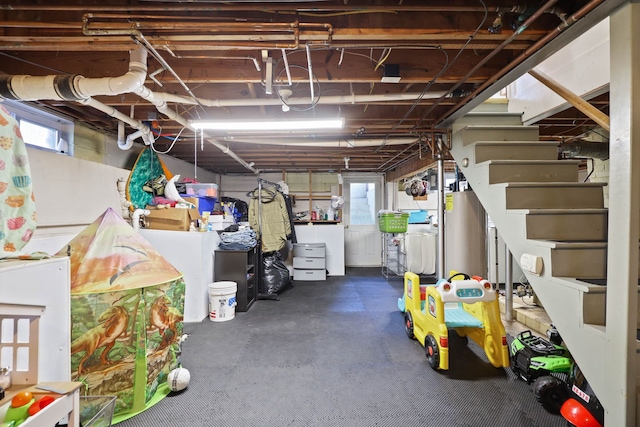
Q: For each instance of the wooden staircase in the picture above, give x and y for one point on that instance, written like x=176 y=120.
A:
x=541 y=209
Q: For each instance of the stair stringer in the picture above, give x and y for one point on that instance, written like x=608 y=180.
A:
x=564 y=299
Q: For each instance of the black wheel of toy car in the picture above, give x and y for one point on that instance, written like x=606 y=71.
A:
x=408 y=325
x=551 y=392
x=432 y=351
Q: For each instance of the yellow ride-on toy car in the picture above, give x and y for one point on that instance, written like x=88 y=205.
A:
x=468 y=305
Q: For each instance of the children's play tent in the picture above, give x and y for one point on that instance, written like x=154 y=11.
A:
x=127 y=307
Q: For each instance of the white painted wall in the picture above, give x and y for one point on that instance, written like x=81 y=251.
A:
x=71 y=192
x=405 y=202
x=582 y=67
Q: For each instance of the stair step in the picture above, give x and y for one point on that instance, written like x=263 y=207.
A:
x=583 y=260
x=515 y=150
x=553 y=195
x=587 y=260
x=567 y=224
x=593 y=298
x=532 y=170
x=488 y=118
x=475 y=133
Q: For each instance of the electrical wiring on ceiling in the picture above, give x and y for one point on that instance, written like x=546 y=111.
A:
x=447 y=66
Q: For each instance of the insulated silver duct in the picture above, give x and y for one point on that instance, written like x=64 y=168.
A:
x=593 y=150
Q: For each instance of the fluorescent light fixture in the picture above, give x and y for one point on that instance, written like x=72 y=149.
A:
x=268 y=125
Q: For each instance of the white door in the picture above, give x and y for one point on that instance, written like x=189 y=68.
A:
x=362 y=238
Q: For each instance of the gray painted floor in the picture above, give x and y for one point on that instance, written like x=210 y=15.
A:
x=335 y=353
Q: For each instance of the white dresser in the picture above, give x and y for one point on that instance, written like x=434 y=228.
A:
x=309 y=261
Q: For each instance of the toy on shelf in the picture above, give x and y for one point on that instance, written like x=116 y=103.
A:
x=24 y=405
x=468 y=305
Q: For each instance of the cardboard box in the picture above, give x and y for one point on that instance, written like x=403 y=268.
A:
x=171 y=219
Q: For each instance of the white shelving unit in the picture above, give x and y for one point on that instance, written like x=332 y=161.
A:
x=46 y=284
x=394 y=257
x=35 y=315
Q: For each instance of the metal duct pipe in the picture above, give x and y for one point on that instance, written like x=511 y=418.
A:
x=593 y=150
x=508 y=283
x=441 y=213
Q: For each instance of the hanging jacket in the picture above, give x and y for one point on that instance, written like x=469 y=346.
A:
x=274 y=228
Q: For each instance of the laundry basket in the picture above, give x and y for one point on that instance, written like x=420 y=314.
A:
x=393 y=222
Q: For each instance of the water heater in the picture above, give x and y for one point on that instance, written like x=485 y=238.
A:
x=465 y=234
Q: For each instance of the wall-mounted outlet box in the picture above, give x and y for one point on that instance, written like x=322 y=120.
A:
x=531 y=263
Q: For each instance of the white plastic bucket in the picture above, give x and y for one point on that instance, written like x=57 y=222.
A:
x=222 y=301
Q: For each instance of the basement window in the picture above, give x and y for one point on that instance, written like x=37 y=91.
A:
x=42 y=129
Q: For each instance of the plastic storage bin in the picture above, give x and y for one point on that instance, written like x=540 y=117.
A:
x=418 y=217
x=205 y=204
x=393 y=222
x=204 y=190
x=96 y=411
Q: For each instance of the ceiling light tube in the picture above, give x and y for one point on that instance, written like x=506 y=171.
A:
x=268 y=125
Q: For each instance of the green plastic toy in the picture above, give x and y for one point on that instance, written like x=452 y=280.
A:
x=533 y=357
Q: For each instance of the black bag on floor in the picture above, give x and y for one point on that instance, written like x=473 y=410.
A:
x=275 y=275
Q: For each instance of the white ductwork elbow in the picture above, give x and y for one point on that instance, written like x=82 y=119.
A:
x=146 y=135
x=135 y=217
x=126 y=144
x=128 y=82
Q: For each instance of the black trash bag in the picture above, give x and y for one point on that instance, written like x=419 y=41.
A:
x=275 y=274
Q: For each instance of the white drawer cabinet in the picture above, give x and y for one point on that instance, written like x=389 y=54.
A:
x=311 y=250
x=309 y=261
